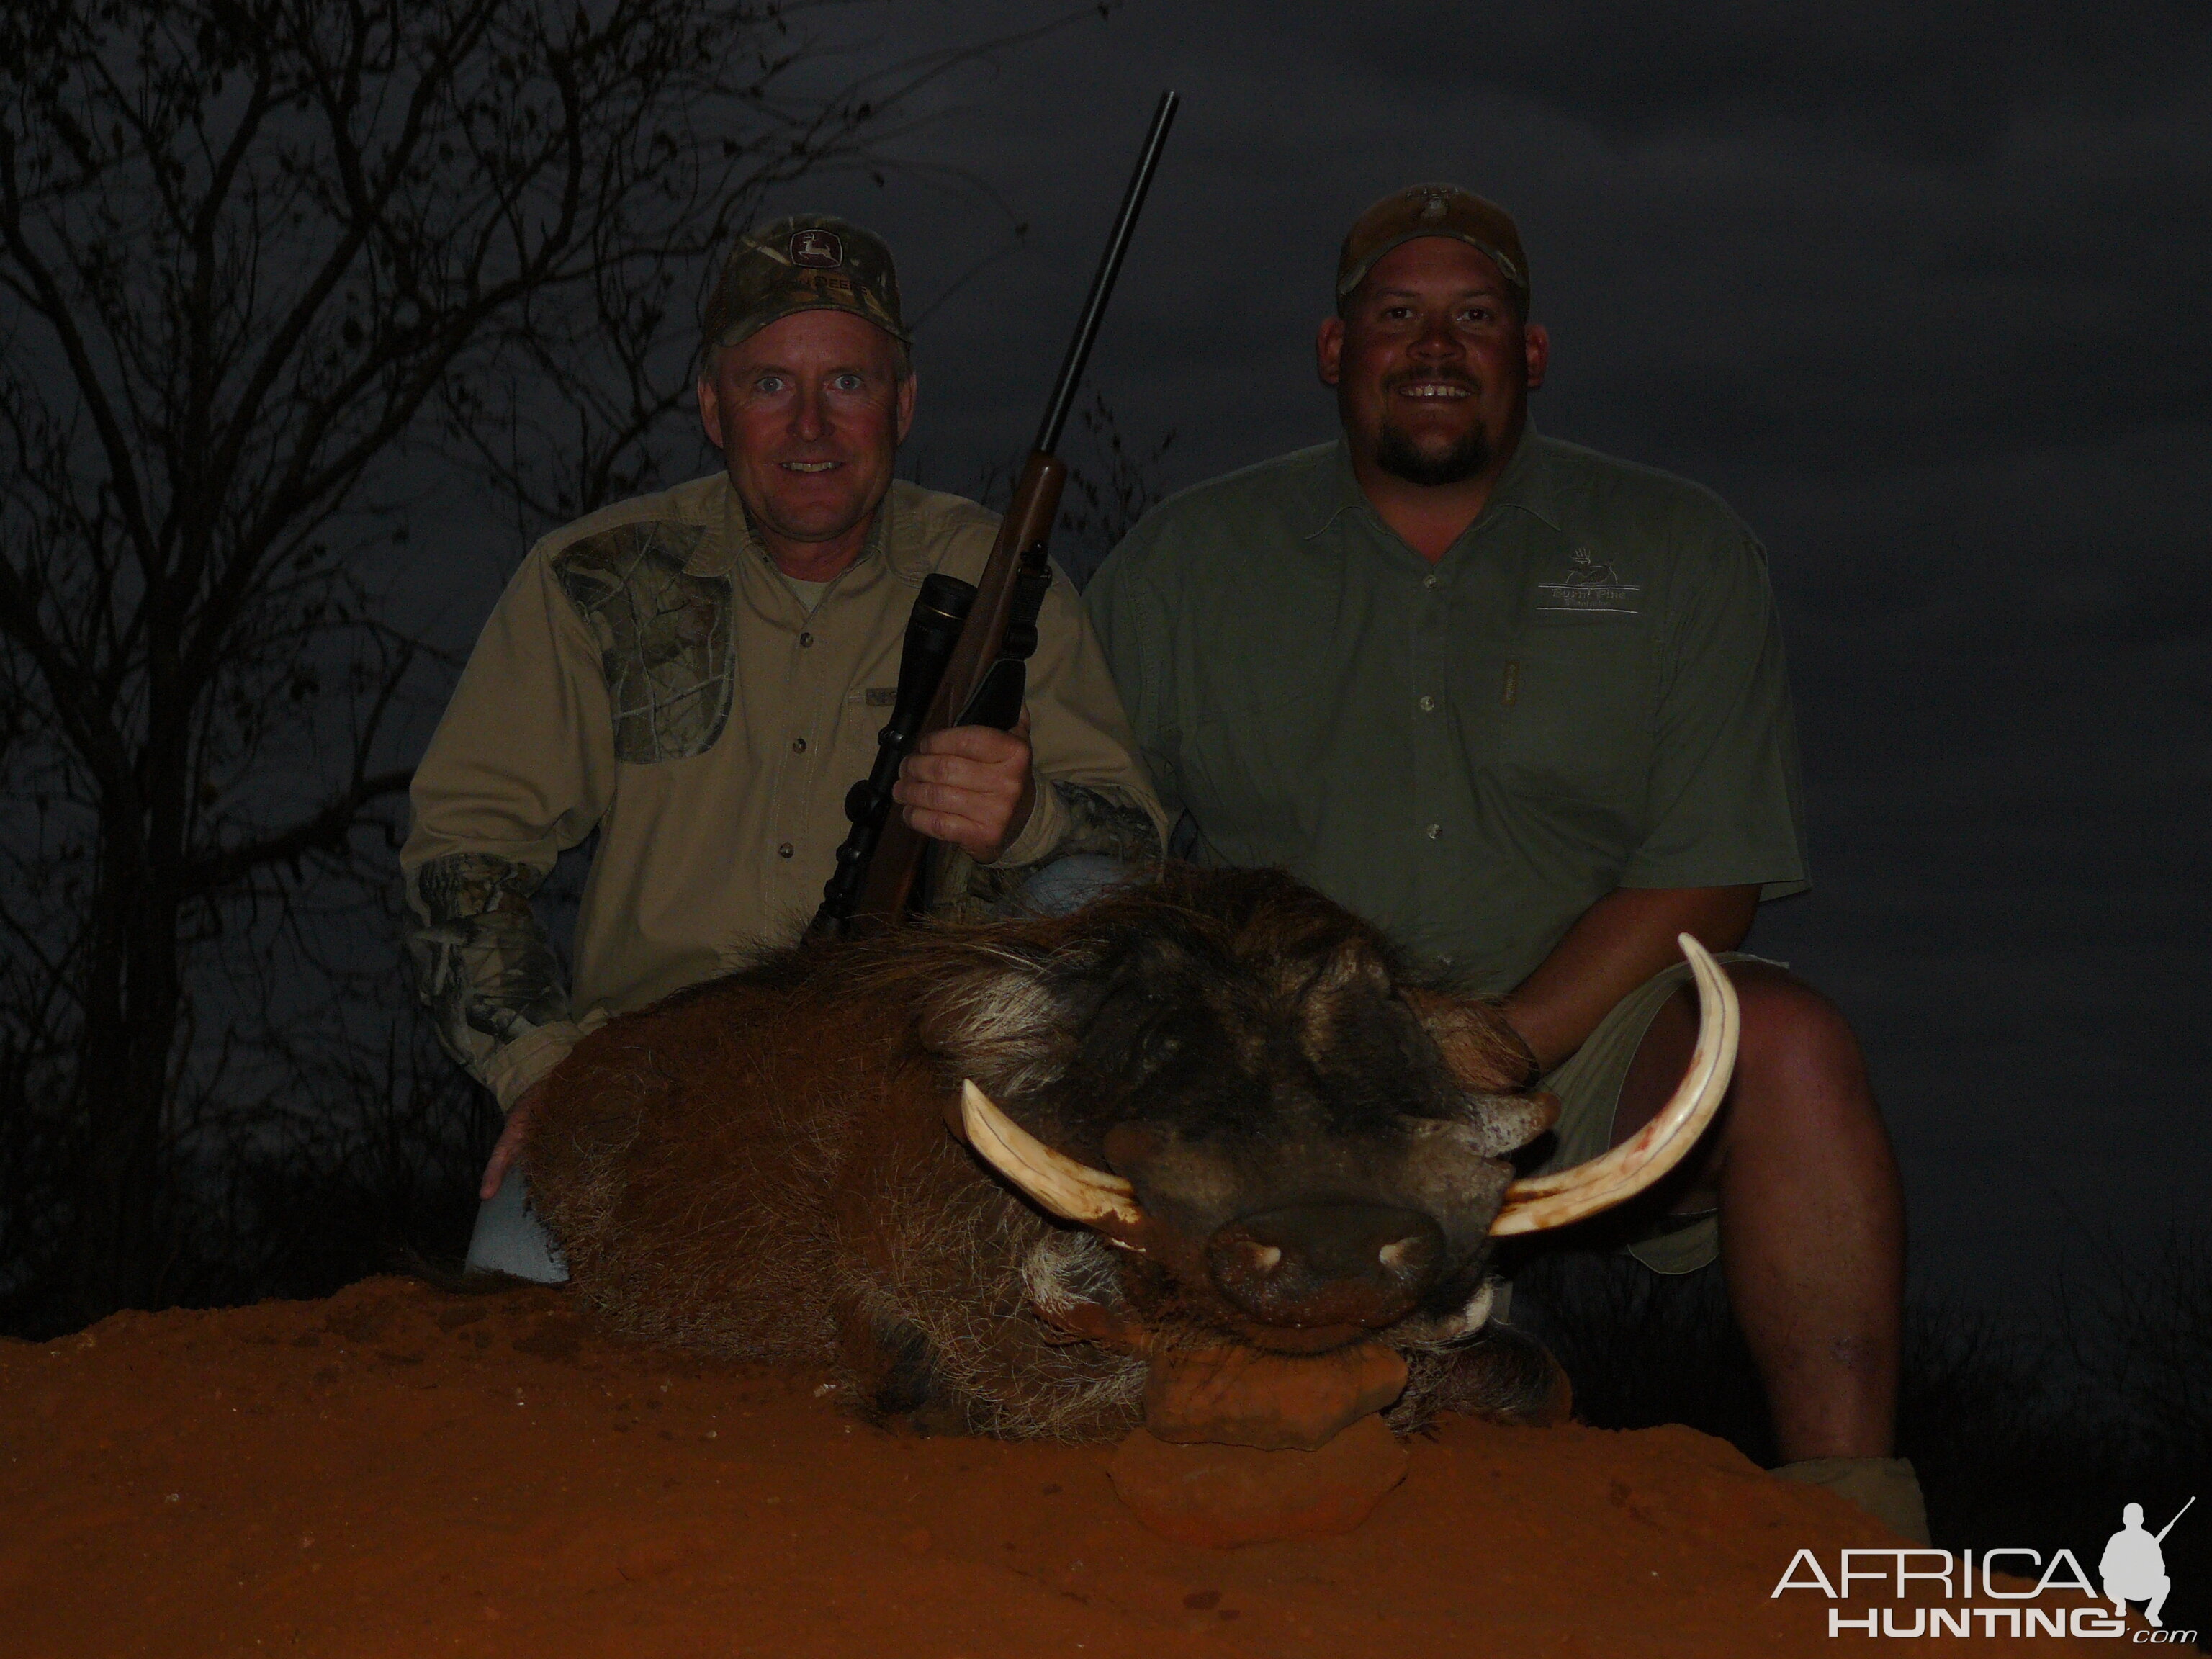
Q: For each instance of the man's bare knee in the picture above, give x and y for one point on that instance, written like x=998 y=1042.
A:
x=1798 y=1052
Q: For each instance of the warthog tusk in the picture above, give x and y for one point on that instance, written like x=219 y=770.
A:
x=1554 y=1201
x=1072 y=1191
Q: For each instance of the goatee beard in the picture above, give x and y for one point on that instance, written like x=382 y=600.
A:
x=1396 y=454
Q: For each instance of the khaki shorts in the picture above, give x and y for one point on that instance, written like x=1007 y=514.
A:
x=1588 y=1083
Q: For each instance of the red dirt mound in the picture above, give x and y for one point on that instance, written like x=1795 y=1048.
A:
x=397 y=1472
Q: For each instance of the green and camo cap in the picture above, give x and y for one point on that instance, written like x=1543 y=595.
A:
x=1419 y=210
x=805 y=262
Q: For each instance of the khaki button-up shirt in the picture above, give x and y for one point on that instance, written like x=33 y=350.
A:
x=1585 y=692
x=648 y=673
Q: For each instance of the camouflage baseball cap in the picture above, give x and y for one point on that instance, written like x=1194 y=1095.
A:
x=1420 y=210
x=805 y=262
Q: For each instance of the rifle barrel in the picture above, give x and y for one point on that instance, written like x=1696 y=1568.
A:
x=2178 y=1514
x=1102 y=285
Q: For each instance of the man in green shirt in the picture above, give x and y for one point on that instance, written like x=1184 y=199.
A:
x=1524 y=706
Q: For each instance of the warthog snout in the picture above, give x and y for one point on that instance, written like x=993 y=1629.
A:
x=1311 y=1265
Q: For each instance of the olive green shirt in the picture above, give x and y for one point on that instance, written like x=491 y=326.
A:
x=1586 y=692
x=650 y=675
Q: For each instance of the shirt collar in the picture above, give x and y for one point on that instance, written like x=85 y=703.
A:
x=1526 y=486
x=902 y=535
x=1526 y=483
x=716 y=554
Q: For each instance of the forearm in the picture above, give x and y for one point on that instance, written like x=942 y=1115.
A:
x=486 y=972
x=1113 y=821
x=1614 y=946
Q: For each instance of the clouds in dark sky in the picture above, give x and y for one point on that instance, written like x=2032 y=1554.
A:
x=1920 y=289
x=1916 y=81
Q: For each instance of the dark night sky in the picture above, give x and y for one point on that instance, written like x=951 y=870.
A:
x=1918 y=288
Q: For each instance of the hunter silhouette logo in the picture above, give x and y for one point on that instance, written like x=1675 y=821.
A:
x=2134 y=1566
x=822 y=250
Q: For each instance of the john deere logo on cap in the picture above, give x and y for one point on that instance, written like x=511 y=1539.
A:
x=819 y=248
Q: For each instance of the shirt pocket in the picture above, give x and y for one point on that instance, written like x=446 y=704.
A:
x=1574 y=702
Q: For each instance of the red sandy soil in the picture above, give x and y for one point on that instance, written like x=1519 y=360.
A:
x=399 y=1472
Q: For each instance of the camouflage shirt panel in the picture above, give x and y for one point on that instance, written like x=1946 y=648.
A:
x=664 y=636
x=483 y=965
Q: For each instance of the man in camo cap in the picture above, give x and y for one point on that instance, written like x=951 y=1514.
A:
x=698 y=676
x=1523 y=705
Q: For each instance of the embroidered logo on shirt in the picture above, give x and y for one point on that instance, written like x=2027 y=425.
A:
x=1591 y=586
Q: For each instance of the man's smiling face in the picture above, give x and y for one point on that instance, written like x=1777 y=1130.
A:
x=809 y=413
x=1432 y=363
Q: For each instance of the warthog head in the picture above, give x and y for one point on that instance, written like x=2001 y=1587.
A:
x=1290 y=1141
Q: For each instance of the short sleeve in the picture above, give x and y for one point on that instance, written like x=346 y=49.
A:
x=1725 y=805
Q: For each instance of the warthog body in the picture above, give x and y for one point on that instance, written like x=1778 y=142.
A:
x=1299 y=1150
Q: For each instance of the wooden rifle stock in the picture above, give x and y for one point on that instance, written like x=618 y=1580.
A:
x=888 y=890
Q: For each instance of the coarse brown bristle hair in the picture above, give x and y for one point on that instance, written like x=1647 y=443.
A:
x=760 y=1167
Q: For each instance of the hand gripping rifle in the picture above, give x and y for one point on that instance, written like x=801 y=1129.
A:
x=966 y=655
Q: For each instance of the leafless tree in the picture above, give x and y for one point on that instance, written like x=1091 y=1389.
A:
x=264 y=262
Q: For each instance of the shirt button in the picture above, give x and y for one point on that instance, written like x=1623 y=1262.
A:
x=1435 y=830
x=799 y=745
x=786 y=849
x=1429 y=581
x=806 y=639
x=1428 y=705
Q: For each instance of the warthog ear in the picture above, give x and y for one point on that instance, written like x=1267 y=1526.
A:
x=1356 y=962
x=1331 y=994
x=1485 y=1054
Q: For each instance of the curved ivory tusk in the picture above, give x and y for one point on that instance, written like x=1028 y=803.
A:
x=1072 y=1191
x=1554 y=1201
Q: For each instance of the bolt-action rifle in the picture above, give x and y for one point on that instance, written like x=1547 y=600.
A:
x=966 y=655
